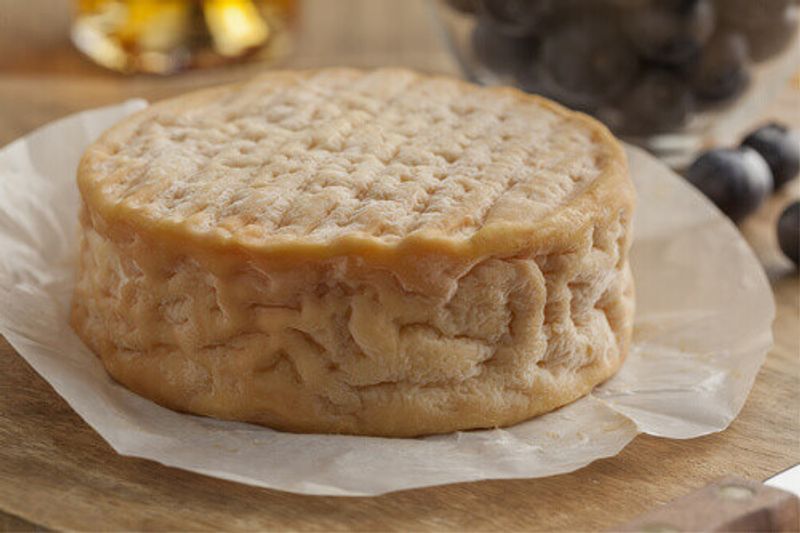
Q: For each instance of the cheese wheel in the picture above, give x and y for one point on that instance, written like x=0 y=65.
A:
x=363 y=252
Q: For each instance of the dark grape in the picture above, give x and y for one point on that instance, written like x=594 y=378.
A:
x=768 y=25
x=737 y=180
x=789 y=232
x=499 y=52
x=669 y=32
x=780 y=148
x=658 y=102
x=721 y=72
x=584 y=62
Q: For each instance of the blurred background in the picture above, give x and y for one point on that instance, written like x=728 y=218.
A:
x=678 y=77
x=671 y=75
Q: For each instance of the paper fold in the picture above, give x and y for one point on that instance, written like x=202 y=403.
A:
x=703 y=328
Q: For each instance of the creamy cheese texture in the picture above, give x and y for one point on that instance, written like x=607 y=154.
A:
x=369 y=252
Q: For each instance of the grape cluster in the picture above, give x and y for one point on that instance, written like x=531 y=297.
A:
x=642 y=66
x=738 y=180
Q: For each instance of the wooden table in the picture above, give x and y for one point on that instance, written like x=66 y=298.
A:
x=55 y=472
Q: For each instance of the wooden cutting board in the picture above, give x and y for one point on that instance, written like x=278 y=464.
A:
x=55 y=472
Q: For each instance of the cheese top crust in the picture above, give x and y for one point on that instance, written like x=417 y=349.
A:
x=342 y=161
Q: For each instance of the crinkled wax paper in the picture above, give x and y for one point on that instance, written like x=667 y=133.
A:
x=703 y=327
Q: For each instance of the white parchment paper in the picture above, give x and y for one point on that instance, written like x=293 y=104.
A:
x=703 y=327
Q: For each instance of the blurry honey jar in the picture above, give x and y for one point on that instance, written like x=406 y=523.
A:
x=164 y=36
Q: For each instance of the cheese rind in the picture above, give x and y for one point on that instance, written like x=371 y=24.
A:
x=315 y=252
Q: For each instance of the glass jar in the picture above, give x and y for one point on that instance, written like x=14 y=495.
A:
x=163 y=36
x=669 y=75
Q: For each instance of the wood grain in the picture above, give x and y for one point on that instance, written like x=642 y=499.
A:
x=56 y=472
